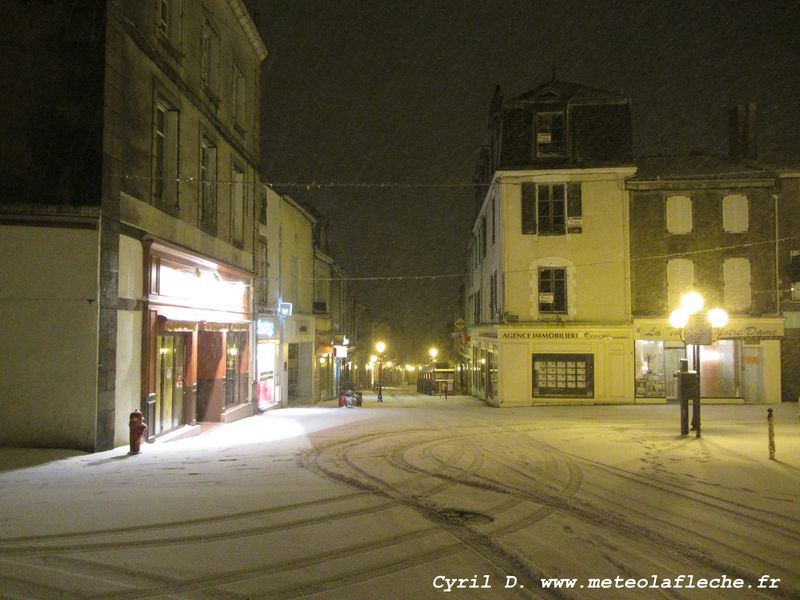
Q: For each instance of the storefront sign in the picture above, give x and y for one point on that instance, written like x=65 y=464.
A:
x=655 y=329
x=578 y=334
x=265 y=328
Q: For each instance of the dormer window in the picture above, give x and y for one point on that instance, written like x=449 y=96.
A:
x=549 y=134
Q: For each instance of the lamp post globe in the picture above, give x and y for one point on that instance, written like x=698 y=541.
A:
x=717 y=317
x=678 y=318
x=692 y=302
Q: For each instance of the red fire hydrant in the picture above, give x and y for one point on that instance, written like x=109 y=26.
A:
x=137 y=428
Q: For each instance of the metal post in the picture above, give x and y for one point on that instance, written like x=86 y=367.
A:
x=696 y=398
x=771 y=434
x=683 y=395
x=380 y=378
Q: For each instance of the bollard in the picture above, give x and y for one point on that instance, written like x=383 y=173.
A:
x=771 y=432
x=137 y=428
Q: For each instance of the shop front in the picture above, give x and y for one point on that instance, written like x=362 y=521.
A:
x=482 y=368
x=267 y=358
x=564 y=364
x=326 y=368
x=742 y=365
x=195 y=340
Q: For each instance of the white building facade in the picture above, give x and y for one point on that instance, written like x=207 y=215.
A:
x=547 y=296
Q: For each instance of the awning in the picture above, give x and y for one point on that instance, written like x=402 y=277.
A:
x=233 y=326
x=173 y=325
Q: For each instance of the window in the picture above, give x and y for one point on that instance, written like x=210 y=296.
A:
x=163 y=17
x=262 y=208
x=553 y=290
x=263 y=272
x=736 y=275
x=563 y=375
x=679 y=214
x=651 y=381
x=208 y=185
x=552 y=209
x=494 y=220
x=165 y=154
x=168 y=25
x=493 y=294
x=209 y=60
x=239 y=96
x=680 y=279
x=794 y=273
x=294 y=280
x=238 y=199
x=735 y=217
x=477 y=308
x=549 y=134
x=483 y=236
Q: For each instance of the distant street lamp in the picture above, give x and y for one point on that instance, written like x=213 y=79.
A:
x=380 y=347
x=697 y=329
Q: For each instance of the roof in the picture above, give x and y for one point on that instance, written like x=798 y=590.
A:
x=699 y=167
x=557 y=90
x=249 y=27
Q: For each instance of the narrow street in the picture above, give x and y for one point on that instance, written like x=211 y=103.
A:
x=404 y=498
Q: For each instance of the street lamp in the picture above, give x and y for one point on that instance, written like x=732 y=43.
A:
x=433 y=352
x=697 y=329
x=380 y=347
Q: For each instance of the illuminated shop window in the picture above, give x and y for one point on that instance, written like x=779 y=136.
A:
x=563 y=375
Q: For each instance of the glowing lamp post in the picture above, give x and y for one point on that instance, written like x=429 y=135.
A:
x=433 y=353
x=380 y=347
x=697 y=329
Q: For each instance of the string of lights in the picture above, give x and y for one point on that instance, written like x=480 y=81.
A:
x=320 y=185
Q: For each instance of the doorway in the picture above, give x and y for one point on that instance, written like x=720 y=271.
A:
x=752 y=365
x=170 y=377
x=235 y=342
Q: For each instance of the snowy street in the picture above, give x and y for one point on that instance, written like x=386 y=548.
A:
x=416 y=497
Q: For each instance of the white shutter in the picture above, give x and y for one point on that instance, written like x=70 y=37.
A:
x=679 y=214
x=736 y=273
x=680 y=279
x=735 y=218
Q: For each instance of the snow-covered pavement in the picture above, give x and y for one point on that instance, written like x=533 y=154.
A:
x=411 y=498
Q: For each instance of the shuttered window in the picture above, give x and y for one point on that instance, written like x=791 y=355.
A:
x=680 y=279
x=736 y=275
x=528 y=208
x=574 y=208
x=679 y=214
x=735 y=214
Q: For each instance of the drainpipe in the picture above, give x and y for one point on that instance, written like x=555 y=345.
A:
x=777 y=257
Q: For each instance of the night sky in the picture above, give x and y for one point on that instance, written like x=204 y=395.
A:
x=374 y=112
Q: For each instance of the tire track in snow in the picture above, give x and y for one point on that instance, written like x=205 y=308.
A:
x=482 y=544
x=684 y=552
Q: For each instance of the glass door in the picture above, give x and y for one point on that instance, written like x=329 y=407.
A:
x=233 y=362
x=170 y=372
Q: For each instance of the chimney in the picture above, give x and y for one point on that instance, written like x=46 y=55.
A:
x=742 y=120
